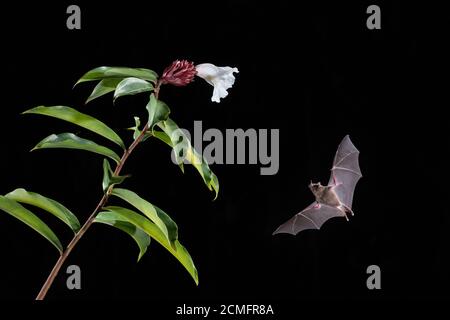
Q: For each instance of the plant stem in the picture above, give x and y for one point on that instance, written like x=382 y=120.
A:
x=51 y=277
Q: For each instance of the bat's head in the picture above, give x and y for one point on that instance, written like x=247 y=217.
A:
x=315 y=186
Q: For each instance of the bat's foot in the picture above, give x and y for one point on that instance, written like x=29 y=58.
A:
x=346 y=210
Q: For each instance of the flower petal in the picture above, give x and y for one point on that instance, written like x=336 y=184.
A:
x=221 y=78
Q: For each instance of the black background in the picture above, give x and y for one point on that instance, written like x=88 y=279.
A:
x=313 y=71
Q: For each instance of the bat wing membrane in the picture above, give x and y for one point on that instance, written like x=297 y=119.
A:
x=345 y=172
x=313 y=217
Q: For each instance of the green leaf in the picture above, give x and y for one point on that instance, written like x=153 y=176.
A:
x=104 y=87
x=167 y=226
x=113 y=219
x=47 y=204
x=184 y=150
x=137 y=131
x=157 y=111
x=71 y=141
x=118 y=72
x=163 y=137
x=30 y=219
x=109 y=178
x=131 y=86
x=80 y=119
x=176 y=249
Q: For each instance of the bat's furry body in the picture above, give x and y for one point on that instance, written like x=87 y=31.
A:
x=334 y=199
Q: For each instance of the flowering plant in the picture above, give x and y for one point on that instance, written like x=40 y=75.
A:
x=144 y=221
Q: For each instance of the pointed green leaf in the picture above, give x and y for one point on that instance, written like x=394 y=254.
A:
x=118 y=72
x=104 y=87
x=184 y=151
x=71 y=141
x=106 y=175
x=157 y=111
x=109 y=178
x=30 y=219
x=163 y=137
x=80 y=119
x=176 y=249
x=159 y=217
x=131 y=86
x=47 y=204
x=113 y=219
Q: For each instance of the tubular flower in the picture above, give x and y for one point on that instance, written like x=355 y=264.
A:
x=221 y=78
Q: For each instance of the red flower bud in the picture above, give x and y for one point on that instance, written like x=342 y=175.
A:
x=179 y=73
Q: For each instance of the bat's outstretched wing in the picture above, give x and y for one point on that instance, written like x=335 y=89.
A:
x=345 y=172
x=313 y=217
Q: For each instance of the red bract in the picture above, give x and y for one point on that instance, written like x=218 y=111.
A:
x=179 y=73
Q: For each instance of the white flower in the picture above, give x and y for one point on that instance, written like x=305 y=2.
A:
x=221 y=78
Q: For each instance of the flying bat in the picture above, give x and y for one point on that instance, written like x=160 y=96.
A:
x=334 y=199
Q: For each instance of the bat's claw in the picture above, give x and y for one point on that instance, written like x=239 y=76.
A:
x=346 y=210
